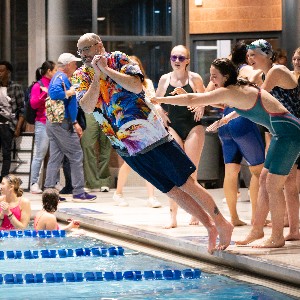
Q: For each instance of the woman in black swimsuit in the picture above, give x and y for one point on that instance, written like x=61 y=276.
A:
x=183 y=124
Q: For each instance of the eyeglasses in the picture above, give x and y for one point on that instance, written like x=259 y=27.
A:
x=181 y=58
x=85 y=49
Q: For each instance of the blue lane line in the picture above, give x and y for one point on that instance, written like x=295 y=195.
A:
x=32 y=233
x=100 y=276
x=62 y=253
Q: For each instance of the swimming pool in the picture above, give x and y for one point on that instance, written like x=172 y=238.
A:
x=208 y=286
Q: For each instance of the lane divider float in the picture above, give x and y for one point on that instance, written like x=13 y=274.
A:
x=32 y=233
x=62 y=253
x=100 y=276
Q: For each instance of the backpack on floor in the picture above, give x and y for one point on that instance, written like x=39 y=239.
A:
x=29 y=112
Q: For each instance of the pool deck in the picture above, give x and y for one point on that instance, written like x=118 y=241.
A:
x=144 y=224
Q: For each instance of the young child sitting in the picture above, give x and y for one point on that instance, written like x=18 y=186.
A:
x=46 y=219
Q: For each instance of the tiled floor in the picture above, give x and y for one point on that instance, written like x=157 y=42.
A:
x=145 y=224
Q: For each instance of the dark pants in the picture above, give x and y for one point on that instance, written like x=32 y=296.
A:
x=67 y=173
x=6 y=138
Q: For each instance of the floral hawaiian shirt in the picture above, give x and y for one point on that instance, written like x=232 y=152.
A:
x=124 y=117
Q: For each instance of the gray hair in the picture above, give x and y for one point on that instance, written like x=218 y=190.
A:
x=91 y=37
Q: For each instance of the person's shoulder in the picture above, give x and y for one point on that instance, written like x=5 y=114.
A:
x=164 y=77
x=24 y=203
x=194 y=75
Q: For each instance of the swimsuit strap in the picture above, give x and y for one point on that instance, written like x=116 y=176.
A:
x=39 y=218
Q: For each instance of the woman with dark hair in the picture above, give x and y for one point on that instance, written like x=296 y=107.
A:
x=15 y=210
x=46 y=219
x=38 y=95
x=260 y=107
x=240 y=139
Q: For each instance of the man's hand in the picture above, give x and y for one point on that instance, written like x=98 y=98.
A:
x=78 y=130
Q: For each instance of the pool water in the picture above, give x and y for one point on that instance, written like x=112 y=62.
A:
x=208 y=286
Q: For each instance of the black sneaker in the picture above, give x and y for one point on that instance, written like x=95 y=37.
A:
x=84 y=197
x=66 y=191
x=62 y=199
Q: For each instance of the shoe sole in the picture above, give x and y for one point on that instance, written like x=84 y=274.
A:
x=84 y=200
x=154 y=206
x=118 y=204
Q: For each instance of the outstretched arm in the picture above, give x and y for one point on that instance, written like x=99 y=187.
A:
x=214 y=126
x=225 y=96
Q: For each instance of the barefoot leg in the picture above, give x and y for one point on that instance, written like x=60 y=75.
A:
x=205 y=200
x=173 y=214
x=260 y=213
x=292 y=204
x=275 y=184
x=185 y=201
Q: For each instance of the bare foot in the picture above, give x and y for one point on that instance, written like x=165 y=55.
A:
x=286 y=224
x=237 y=222
x=212 y=239
x=292 y=237
x=267 y=222
x=271 y=243
x=171 y=225
x=194 y=221
x=252 y=236
x=225 y=233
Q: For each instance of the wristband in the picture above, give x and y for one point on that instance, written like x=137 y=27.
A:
x=74 y=123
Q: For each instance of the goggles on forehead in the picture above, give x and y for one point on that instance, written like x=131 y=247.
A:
x=181 y=58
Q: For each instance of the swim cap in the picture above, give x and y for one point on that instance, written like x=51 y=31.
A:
x=262 y=46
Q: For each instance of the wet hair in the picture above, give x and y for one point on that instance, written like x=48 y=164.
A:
x=50 y=199
x=239 y=53
x=41 y=71
x=7 y=64
x=135 y=58
x=227 y=68
x=16 y=183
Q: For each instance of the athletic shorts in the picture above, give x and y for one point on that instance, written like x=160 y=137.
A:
x=241 y=138
x=284 y=148
x=165 y=166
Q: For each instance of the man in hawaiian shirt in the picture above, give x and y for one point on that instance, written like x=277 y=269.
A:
x=109 y=85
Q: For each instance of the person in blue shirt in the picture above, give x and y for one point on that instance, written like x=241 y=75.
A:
x=65 y=136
